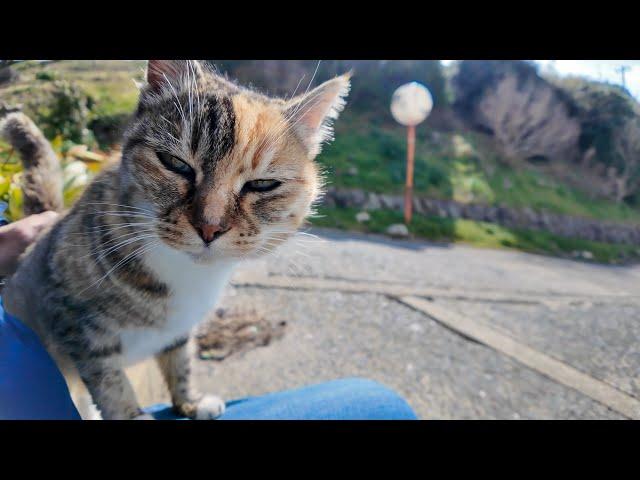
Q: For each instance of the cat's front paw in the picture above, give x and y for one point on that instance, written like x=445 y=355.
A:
x=209 y=407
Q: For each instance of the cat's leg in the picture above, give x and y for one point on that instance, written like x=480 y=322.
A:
x=82 y=398
x=109 y=387
x=77 y=389
x=175 y=364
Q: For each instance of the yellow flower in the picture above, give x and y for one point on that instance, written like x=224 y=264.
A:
x=5 y=182
x=15 y=210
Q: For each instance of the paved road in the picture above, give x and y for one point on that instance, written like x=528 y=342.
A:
x=584 y=315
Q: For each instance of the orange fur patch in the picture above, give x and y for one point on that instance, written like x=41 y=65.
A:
x=262 y=124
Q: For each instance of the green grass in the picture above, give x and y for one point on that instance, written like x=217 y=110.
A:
x=536 y=190
x=479 y=234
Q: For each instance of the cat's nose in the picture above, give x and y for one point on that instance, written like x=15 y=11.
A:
x=210 y=231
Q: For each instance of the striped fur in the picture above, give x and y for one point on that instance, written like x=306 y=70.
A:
x=128 y=272
x=42 y=177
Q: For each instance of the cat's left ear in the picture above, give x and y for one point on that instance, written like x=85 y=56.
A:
x=312 y=114
x=161 y=73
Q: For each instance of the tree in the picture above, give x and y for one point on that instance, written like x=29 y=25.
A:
x=373 y=82
x=528 y=117
x=627 y=149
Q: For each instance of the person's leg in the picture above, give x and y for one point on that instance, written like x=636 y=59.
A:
x=345 y=399
x=31 y=386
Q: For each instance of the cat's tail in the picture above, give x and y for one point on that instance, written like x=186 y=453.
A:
x=42 y=175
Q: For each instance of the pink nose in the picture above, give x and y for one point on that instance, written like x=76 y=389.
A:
x=210 y=231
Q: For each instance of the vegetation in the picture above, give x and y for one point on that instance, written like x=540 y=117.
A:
x=72 y=96
x=610 y=133
x=460 y=166
x=64 y=112
x=78 y=167
x=479 y=234
x=590 y=131
x=373 y=82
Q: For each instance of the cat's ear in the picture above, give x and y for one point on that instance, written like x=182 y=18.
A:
x=312 y=114
x=161 y=73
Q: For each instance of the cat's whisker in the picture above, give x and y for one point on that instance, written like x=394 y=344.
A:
x=297 y=261
x=279 y=124
x=124 y=235
x=102 y=231
x=189 y=90
x=176 y=141
x=124 y=212
x=107 y=226
x=312 y=78
x=120 y=205
x=104 y=244
x=298 y=85
x=177 y=99
x=283 y=125
x=310 y=235
x=138 y=251
x=120 y=245
x=110 y=227
x=124 y=215
x=299 y=112
x=300 y=109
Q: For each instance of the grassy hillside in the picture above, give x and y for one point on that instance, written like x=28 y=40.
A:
x=372 y=155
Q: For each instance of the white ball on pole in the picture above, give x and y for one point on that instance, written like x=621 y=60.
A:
x=411 y=104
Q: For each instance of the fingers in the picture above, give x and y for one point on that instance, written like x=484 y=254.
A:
x=30 y=227
x=17 y=236
x=42 y=220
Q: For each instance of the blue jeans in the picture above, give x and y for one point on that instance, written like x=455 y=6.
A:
x=32 y=387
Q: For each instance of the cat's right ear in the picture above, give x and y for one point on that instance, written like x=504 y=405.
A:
x=163 y=73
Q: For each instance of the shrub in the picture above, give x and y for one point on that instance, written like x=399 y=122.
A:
x=63 y=112
x=108 y=128
x=45 y=76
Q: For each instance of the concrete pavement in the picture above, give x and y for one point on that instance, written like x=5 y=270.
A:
x=340 y=296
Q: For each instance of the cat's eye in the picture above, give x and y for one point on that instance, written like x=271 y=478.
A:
x=176 y=165
x=261 y=185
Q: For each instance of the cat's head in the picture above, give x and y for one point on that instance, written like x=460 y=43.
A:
x=228 y=172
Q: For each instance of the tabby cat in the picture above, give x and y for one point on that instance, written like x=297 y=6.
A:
x=210 y=174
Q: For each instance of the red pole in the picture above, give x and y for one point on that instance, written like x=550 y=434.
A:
x=408 y=190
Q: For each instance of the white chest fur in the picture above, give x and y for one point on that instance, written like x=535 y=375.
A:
x=194 y=291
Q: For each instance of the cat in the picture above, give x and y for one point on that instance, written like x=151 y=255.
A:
x=211 y=174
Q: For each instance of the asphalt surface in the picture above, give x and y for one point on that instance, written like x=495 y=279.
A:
x=583 y=314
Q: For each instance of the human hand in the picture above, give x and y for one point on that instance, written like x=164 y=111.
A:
x=17 y=236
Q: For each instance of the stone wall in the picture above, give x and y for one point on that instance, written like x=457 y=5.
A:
x=563 y=225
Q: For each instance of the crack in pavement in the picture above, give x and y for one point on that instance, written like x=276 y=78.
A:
x=418 y=298
x=398 y=290
x=602 y=392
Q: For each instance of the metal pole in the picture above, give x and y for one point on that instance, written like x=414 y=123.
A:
x=408 y=191
x=623 y=69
